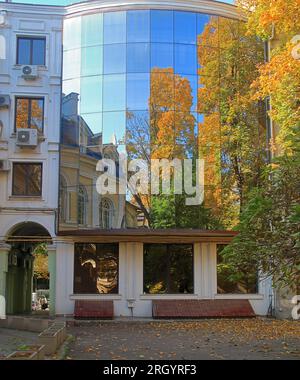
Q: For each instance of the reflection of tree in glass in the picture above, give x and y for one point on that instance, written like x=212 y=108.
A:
x=232 y=134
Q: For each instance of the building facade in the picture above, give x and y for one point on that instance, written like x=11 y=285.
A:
x=112 y=81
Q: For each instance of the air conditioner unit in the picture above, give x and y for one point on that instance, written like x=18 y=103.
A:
x=4 y=101
x=29 y=72
x=27 y=138
x=4 y=166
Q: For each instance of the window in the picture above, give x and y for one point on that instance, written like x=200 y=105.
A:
x=82 y=201
x=106 y=214
x=27 y=179
x=96 y=269
x=63 y=197
x=168 y=269
x=31 y=51
x=233 y=279
x=29 y=113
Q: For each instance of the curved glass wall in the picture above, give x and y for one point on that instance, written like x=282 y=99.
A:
x=153 y=85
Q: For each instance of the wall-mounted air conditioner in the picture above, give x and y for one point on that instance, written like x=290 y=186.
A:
x=29 y=72
x=4 y=166
x=27 y=138
x=4 y=101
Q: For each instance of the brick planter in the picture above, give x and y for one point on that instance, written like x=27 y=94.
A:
x=23 y=355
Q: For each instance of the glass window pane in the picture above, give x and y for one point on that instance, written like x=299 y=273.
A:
x=37 y=114
x=185 y=27
x=186 y=93
x=91 y=94
x=168 y=269
x=114 y=59
x=92 y=30
x=162 y=56
x=72 y=33
x=138 y=58
x=23 y=51
x=38 y=51
x=34 y=177
x=138 y=135
x=162 y=26
x=207 y=30
x=93 y=121
x=138 y=91
x=72 y=64
x=115 y=27
x=114 y=93
x=22 y=112
x=114 y=127
x=72 y=85
x=162 y=91
x=27 y=179
x=138 y=26
x=185 y=59
x=92 y=60
x=96 y=269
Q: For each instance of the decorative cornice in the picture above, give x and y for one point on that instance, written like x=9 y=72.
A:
x=203 y=6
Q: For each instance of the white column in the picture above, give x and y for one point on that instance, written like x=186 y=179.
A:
x=52 y=270
x=64 y=278
x=4 y=251
x=208 y=270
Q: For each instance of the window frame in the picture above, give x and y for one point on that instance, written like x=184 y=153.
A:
x=31 y=39
x=117 y=248
x=168 y=245
x=40 y=164
x=29 y=98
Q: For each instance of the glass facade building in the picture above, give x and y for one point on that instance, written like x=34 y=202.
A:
x=156 y=84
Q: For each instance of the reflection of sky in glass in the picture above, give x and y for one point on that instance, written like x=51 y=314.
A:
x=115 y=77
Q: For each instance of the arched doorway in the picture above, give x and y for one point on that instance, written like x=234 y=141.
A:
x=24 y=240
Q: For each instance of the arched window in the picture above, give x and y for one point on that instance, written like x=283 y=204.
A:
x=106 y=213
x=82 y=206
x=63 y=199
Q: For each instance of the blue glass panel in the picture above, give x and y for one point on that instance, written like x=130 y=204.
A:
x=92 y=60
x=162 y=26
x=114 y=92
x=91 y=94
x=162 y=56
x=207 y=30
x=92 y=30
x=138 y=26
x=114 y=27
x=185 y=27
x=114 y=59
x=114 y=127
x=93 y=121
x=138 y=91
x=186 y=85
x=186 y=59
x=138 y=58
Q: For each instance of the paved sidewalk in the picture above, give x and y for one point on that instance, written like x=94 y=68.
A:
x=10 y=340
x=207 y=339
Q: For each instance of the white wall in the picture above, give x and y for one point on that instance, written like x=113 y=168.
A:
x=20 y=21
x=131 y=282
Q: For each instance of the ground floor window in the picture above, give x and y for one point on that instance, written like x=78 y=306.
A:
x=233 y=279
x=168 y=269
x=96 y=269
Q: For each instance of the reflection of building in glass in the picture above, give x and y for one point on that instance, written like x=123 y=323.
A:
x=81 y=149
x=146 y=83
